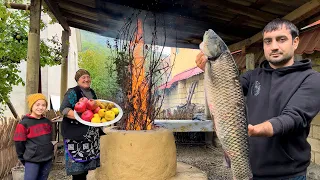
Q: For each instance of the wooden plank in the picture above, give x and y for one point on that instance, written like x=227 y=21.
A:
x=76 y=22
x=79 y=9
x=53 y=6
x=17 y=6
x=260 y=3
x=304 y=11
x=298 y=15
x=238 y=20
x=88 y=3
x=107 y=21
x=311 y=20
x=243 y=10
x=250 y=64
x=201 y=11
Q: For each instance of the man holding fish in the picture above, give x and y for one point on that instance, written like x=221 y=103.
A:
x=265 y=136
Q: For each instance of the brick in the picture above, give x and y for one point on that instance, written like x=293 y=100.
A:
x=315 y=144
x=317 y=158
x=316 y=132
x=316 y=120
x=312 y=156
x=311 y=131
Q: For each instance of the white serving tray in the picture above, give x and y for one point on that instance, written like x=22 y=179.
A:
x=78 y=118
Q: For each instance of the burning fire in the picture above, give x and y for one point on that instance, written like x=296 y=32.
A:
x=138 y=117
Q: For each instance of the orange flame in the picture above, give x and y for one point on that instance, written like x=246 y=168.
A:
x=139 y=90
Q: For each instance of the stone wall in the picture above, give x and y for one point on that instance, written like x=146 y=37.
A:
x=314 y=139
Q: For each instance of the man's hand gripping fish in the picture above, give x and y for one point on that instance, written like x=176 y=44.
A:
x=226 y=104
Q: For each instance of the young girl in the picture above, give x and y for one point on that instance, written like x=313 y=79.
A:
x=33 y=140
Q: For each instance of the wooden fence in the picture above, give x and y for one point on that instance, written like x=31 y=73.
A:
x=8 y=157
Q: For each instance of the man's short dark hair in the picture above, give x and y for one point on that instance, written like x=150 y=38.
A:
x=277 y=23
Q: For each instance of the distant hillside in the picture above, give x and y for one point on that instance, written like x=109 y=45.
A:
x=98 y=40
x=94 y=38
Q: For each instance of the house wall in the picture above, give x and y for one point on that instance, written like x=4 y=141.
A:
x=172 y=97
x=183 y=59
x=178 y=93
x=316 y=64
x=50 y=76
x=314 y=139
x=198 y=96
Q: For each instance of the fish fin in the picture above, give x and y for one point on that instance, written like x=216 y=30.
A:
x=227 y=161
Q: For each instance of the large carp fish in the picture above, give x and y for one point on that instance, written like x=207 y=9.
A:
x=226 y=104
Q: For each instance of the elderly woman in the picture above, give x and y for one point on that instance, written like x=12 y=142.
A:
x=81 y=142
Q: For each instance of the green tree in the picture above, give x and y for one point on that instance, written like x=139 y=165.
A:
x=14 y=27
x=97 y=60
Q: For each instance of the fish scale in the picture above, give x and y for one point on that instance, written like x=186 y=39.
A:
x=227 y=107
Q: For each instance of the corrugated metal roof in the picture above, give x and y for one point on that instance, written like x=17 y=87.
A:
x=181 y=76
x=309 y=42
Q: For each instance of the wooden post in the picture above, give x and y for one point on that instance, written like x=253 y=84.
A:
x=40 y=83
x=64 y=64
x=12 y=109
x=250 y=65
x=33 y=55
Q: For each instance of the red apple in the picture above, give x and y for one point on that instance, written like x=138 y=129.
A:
x=83 y=99
x=96 y=110
x=87 y=115
x=92 y=104
x=80 y=107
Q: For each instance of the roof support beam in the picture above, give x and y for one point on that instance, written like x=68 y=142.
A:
x=260 y=3
x=296 y=16
x=80 y=9
x=73 y=13
x=17 y=6
x=243 y=10
x=53 y=6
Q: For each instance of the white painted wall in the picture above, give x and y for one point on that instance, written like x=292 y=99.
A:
x=51 y=76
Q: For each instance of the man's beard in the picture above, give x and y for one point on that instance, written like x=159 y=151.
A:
x=280 y=62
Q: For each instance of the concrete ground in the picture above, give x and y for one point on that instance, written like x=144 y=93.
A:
x=313 y=172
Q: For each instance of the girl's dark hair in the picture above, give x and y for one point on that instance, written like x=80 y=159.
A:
x=277 y=24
